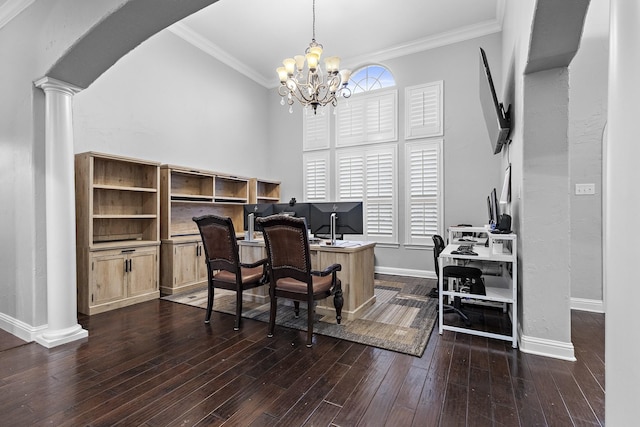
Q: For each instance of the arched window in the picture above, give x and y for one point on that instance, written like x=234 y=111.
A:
x=371 y=77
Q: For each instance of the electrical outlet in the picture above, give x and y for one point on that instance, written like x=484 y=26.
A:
x=585 y=189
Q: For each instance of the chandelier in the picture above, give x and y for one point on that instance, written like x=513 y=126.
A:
x=318 y=88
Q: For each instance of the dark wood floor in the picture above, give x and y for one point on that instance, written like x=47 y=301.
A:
x=158 y=364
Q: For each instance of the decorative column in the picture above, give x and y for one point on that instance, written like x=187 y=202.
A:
x=62 y=320
x=622 y=203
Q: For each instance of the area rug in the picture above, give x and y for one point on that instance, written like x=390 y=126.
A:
x=400 y=320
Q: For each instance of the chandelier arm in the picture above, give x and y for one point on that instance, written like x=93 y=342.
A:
x=299 y=95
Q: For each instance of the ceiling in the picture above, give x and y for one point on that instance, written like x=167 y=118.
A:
x=254 y=36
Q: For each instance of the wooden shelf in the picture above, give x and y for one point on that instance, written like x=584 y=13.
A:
x=121 y=188
x=186 y=193
x=142 y=216
x=190 y=198
x=118 y=231
x=264 y=191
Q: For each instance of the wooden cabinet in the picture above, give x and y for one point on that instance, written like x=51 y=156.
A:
x=187 y=193
x=183 y=266
x=263 y=191
x=117 y=231
x=122 y=277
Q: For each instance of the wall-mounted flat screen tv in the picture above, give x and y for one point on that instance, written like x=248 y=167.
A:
x=497 y=119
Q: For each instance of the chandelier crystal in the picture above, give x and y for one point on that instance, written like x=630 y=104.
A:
x=318 y=88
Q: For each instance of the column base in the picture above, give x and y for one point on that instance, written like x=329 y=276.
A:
x=55 y=338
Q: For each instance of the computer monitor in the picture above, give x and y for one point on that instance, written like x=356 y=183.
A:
x=494 y=210
x=258 y=210
x=349 y=218
x=299 y=210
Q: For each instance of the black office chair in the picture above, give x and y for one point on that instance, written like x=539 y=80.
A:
x=459 y=272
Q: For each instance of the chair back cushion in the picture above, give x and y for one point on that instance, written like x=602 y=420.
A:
x=287 y=244
x=219 y=241
x=438 y=247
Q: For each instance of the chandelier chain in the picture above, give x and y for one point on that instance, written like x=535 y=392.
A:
x=314 y=21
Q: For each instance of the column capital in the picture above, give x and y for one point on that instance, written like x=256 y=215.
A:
x=49 y=83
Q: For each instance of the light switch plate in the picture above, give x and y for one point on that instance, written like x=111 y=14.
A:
x=585 y=189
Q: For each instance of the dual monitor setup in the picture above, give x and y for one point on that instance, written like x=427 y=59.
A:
x=346 y=217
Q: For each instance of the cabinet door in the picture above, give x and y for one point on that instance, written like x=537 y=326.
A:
x=143 y=272
x=107 y=278
x=201 y=263
x=184 y=264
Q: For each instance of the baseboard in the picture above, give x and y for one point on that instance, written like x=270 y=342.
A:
x=583 y=304
x=406 y=272
x=547 y=348
x=20 y=329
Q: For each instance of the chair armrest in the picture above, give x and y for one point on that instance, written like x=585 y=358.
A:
x=331 y=269
x=254 y=264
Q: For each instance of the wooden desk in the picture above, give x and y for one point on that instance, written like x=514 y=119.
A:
x=357 y=275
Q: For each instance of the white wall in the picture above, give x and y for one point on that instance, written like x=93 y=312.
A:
x=588 y=74
x=169 y=102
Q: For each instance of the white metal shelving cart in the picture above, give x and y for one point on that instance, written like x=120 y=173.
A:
x=501 y=248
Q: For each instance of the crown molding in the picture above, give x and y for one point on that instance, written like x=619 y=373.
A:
x=187 y=34
x=427 y=43
x=11 y=9
x=443 y=39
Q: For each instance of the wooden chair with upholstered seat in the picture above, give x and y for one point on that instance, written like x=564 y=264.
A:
x=224 y=269
x=290 y=273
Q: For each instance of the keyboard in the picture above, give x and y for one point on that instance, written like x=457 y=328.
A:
x=464 y=250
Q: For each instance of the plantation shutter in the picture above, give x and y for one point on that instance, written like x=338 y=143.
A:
x=315 y=131
x=316 y=177
x=380 y=178
x=423 y=110
x=350 y=177
x=367 y=118
x=350 y=122
x=423 y=171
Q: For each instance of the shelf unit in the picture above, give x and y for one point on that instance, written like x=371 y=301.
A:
x=186 y=193
x=117 y=231
x=263 y=191
x=503 y=289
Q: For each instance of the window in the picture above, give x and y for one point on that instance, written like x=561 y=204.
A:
x=423 y=172
x=370 y=175
x=362 y=161
x=371 y=77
